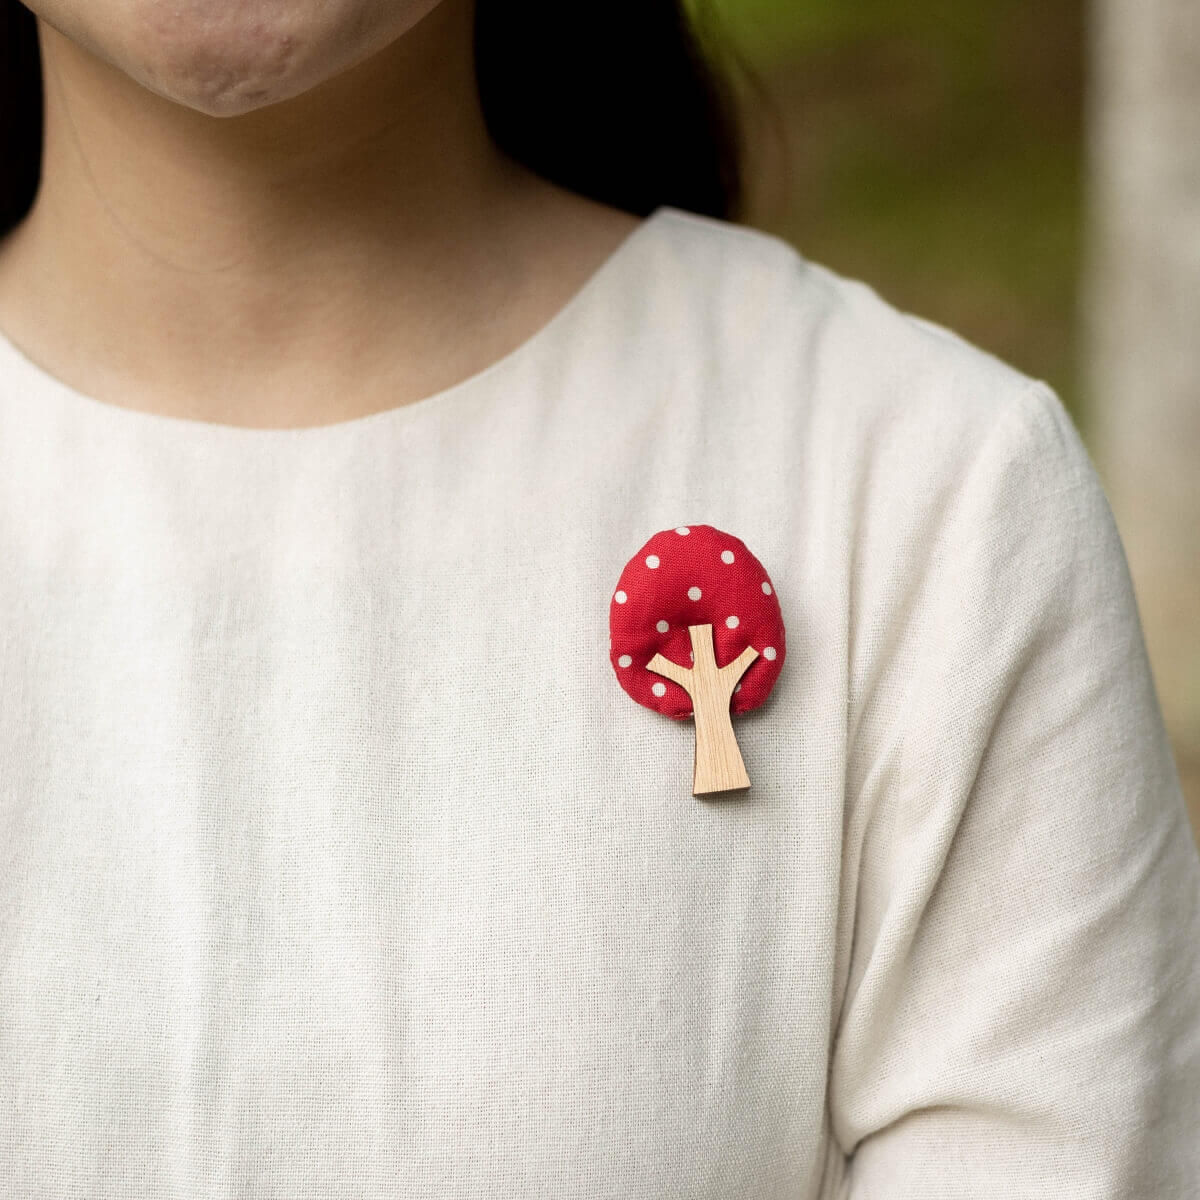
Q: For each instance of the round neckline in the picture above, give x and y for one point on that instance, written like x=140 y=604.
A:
x=15 y=361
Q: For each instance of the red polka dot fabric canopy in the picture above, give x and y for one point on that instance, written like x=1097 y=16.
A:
x=694 y=575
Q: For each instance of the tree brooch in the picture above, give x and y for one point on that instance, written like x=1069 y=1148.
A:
x=697 y=632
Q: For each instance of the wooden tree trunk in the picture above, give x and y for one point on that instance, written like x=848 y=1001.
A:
x=1143 y=322
x=718 y=765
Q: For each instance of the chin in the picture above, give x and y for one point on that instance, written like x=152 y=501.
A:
x=225 y=57
x=228 y=57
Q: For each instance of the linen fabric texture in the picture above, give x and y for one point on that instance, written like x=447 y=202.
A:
x=335 y=862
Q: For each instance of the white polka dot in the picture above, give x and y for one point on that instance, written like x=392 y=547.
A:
x=659 y=689
x=732 y=622
x=769 y=653
x=683 y=531
x=624 y=660
x=662 y=627
x=693 y=593
x=766 y=588
x=737 y=687
x=652 y=561
x=727 y=556
x=620 y=597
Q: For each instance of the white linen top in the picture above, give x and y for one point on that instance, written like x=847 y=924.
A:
x=334 y=861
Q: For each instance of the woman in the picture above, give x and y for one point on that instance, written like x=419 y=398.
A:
x=336 y=861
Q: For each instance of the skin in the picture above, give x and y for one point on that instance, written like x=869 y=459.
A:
x=279 y=213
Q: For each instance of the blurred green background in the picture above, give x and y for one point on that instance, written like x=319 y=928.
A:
x=935 y=151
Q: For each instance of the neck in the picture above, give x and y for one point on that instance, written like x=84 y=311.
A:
x=247 y=268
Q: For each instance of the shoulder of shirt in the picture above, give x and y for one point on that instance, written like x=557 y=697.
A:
x=767 y=305
x=826 y=355
x=918 y=427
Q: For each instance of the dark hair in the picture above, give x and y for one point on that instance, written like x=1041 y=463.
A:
x=20 y=112
x=628 y=107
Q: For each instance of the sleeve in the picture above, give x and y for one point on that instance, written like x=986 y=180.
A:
x=1020 y=1015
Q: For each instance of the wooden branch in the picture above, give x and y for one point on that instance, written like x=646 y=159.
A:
x=664 y=666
